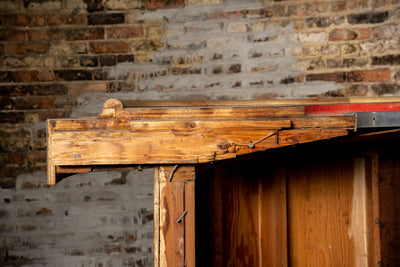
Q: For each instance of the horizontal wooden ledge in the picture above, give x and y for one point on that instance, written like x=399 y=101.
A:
x=106 y=147
x=209 y=112
x=344 y=121
x=126 y=103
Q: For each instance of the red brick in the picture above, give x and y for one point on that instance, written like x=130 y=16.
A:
x=12 y=117
x=369 y=75
x=124 y=32
x=363 y=34
x=346 y=35
x=26 y=49
x=160 y=4
x=63 y=19
x=33 y=76
x=24 y=20
x=73 y=75
x=109 y=47
x=338 y=6
x=6 y=76
x=38 y=35
x=34 y=103
x=338 y=77
x=16 y=158
x=78 y=48
x=12 y=35
x=84 y=34
x=45 y=35
x=342 y=35
x=106 y=19
x=44 y=115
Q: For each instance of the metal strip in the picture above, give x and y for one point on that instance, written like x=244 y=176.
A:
x=378 y=119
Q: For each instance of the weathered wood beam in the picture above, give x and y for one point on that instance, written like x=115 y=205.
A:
x=174 y=211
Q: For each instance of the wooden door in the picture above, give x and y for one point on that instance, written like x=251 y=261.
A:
x=291 y=209
x=330 y=212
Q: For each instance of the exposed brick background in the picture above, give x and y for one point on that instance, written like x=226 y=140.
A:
x=64 y=58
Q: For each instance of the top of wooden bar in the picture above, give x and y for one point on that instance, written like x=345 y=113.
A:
x=192 y=132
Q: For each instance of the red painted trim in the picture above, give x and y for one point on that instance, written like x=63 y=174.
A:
x=351 y=108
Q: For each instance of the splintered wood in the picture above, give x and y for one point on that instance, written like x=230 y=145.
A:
x=179 y=133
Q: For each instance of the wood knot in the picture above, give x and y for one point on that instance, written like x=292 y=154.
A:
x=224 y=146
x=190 y=124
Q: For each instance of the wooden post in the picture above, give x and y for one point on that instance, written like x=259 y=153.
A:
x=174 y=216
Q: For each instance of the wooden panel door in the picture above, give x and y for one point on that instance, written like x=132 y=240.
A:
x=330 y=212
x=241 y=215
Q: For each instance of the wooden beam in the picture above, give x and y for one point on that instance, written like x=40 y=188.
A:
x=189 y=113
x=174 y=225
x=272 y=102
x=147 y=147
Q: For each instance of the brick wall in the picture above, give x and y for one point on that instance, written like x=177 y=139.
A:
x=63 y=58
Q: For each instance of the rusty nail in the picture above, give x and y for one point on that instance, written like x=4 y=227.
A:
x=181 y=217
x=172 y=173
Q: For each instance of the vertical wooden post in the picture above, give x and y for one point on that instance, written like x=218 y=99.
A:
x=51 y=169
x=174 y=216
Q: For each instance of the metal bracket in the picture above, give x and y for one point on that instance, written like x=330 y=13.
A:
x=379 y=119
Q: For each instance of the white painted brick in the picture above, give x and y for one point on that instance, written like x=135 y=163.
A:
x=312 y=37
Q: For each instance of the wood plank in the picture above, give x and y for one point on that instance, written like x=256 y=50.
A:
x=209 y=125
x=273 y=102
x=358 y=230
x=323 y=225
x=123 y=147
x=90 y=124
x=180 y=173
x=332 y=122
x=189 y=113
x=373 y=228
x=176 y=240
x=51 y=169
x=190 y=224
x=240 y=217
x=73 y=169
x=389 y=204
x=273 y=217
x=172 y=246
x=156 y=225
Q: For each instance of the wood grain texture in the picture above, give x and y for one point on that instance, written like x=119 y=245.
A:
x=332 y=122
x=193 y=126
x=327 y=208
x=272 y=102
x=209 y=112
x=124 y=147
x=389 y=205
x=273 y=215
x=242 y=215
x=51 y=168
x=175 y=241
